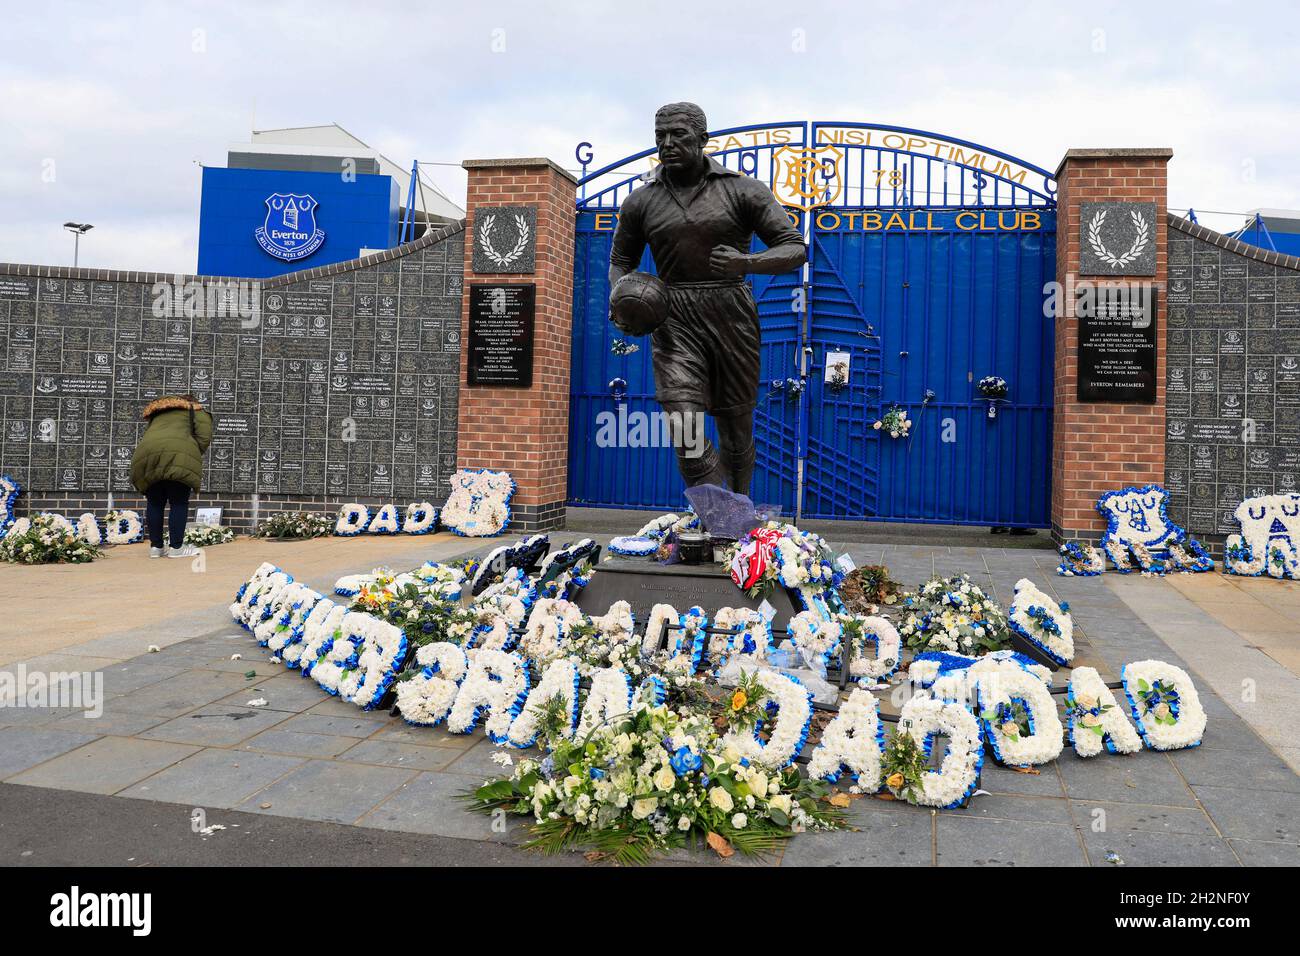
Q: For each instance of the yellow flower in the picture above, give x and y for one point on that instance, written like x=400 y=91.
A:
x=1011 y=729
x=894 y=781
x=1091 y=720
x=739 y=700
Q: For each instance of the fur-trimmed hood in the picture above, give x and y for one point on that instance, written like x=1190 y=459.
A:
x=167 y=403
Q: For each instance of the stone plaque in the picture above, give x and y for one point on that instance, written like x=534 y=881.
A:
x=305 y=394
x=500 y=347
x=1117 y=239
x=505 y=240
x=1117 y=345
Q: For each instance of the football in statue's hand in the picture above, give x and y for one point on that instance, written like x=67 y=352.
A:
x=638 y=303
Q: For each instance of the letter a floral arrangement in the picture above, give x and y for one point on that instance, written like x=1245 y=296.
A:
x=627 y=739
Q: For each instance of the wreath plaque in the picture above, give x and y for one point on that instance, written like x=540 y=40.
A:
x=505 y=240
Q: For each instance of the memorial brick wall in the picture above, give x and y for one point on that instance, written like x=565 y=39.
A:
x=1232 y=377
x=338 y=383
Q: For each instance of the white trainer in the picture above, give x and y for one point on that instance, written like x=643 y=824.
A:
x=184 y=551
x=158 y=552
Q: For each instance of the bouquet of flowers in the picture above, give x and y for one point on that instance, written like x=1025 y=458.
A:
x=991 y=386
x=206 y=535
x=45 y=539
x=867 y=587
x=953 y=614
x=295 y=525
x=648 y=781
x=894 y=423
x=1082 y=560
x=780 y=553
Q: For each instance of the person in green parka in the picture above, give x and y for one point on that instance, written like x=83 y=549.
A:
x=168 y=465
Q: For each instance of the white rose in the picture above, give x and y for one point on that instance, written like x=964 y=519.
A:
x=665 y=778
x=780 y=802
x=739 y=821
x=643 y=808
x=683 y=823
x=720 y=799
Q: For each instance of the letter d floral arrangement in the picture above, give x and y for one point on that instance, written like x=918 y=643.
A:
x=650 y=780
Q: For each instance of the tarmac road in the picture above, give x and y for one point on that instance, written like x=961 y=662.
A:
x=41 y=827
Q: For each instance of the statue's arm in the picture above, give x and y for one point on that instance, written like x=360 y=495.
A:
x=629 y=243
x=785 y=247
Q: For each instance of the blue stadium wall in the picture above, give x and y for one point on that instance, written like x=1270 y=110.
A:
x=355 y=215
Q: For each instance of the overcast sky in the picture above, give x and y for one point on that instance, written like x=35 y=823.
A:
x=106 y=109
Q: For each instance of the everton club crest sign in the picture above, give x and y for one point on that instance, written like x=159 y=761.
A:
x=290 y=231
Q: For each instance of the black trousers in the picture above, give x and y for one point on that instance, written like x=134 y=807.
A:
x=176 y=494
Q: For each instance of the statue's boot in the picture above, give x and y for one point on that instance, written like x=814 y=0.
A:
x=741 y=469
x=704 y=469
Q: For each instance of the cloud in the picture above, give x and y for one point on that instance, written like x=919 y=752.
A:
x=132 y=98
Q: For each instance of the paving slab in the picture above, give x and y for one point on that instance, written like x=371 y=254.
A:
x=1149 y=848
x=1104 y=817
x=884 y=837
x=1247 y=769
x=359 y=725
x=1260 y=853
x=281 y=741
x=967 y=841
x=105 y=765
x=433 y=803
x=25 y=747
x=1273 y=816
x=328 y=790
x=288 y=692
x=216 y=725
x=181 y=694
x=109 y=723
x=390 y=753
x=214 y=778
x=1145 y=777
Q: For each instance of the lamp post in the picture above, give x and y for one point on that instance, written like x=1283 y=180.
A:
x=78 y=229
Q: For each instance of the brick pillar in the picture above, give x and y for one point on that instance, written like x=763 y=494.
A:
x=525 y=431
x=1098 y=447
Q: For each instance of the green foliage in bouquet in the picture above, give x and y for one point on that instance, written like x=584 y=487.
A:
x=651 y=780
x=204 y=535
x=953 y=614
x=903 y=765
x=46 y=541
x=295 y=525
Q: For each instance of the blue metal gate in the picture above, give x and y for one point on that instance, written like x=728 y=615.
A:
x=928 y=258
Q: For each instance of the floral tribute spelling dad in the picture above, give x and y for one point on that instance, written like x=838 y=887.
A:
x=629 y=738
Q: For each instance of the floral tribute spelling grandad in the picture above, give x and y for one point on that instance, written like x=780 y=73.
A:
x=694 y=728
x=479 y=506
x=1269 y=542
